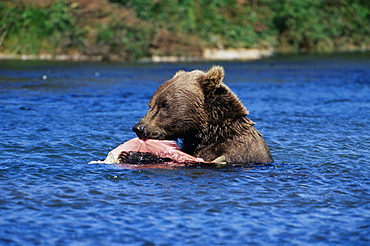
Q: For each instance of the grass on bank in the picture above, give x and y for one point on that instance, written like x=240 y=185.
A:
x=132 y=29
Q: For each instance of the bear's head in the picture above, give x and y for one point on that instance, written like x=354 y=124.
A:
x=190 y=106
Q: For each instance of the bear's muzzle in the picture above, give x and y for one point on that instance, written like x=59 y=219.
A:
x=145 y=132
x=140 y=130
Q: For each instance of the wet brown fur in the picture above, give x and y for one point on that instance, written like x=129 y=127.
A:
x=198 y=108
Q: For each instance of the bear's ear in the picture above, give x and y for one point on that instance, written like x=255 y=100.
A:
x=213 y=78
x=178 y=73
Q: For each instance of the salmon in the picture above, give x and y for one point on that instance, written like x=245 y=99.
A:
x=166 y=149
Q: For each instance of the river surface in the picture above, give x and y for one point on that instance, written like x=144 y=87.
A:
x=314 y=112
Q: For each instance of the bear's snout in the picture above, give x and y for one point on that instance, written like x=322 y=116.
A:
x=144 y=131
x=139 y=129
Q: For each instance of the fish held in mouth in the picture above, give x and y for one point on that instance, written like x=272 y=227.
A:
x=143 y=151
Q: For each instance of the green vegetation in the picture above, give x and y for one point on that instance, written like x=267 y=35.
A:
x=209 y=23
x=31 y=30
x=322 y=25
x=132 y=29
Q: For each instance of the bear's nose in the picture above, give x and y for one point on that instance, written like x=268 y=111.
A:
x=139 y=129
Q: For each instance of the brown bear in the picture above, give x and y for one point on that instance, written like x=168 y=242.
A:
x=202 y=111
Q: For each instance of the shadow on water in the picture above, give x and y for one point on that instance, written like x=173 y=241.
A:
x=215 y=166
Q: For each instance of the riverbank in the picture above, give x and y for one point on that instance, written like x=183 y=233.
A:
x=119 y=30
x=208 y=55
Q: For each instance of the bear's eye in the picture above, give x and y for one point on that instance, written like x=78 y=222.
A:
x=164 y=105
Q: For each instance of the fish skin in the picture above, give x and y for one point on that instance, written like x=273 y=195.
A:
x=161 y=148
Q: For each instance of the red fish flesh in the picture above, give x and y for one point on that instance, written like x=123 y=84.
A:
x=166 y=149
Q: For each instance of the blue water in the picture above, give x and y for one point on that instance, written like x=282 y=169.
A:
x=314 y=112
